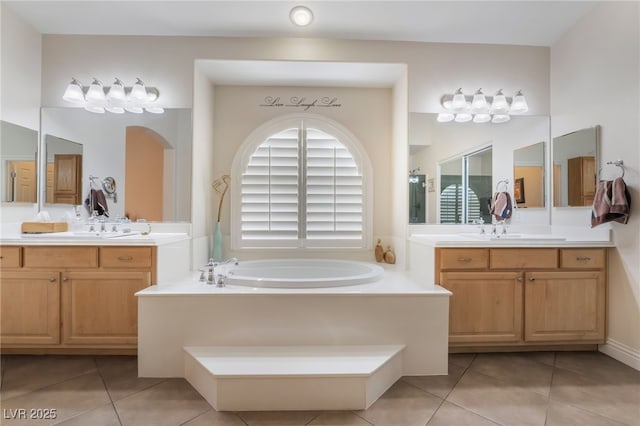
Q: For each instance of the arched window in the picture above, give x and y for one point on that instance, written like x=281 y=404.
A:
x=302 y=184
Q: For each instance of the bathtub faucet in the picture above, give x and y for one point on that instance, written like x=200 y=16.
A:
x=218 y=279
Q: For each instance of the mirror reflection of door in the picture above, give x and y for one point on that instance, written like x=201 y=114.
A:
x=145 y=174
x=21 y=181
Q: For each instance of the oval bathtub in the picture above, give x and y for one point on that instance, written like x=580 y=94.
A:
x=302 y=273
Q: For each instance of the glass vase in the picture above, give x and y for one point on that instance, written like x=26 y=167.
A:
x=217 y=243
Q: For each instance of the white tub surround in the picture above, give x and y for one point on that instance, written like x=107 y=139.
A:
x=392 y=311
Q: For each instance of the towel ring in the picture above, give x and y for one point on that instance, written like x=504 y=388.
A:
x=506 y=184
x=617 y=163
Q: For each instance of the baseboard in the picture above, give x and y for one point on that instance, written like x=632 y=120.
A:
x=622 y=353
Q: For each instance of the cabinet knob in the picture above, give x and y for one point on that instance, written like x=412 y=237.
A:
x=65 y=279
x=519 y=279
x=53 y=279
x=531 y=279
x=583 y=259
x=464 y=259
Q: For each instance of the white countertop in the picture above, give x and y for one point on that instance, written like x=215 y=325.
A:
x=509 y=240
x=71 y=239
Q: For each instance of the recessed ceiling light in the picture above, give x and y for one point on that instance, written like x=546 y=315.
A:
x=301 y=16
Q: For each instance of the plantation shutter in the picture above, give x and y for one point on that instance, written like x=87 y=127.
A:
x=451 y=204
x=333 y=190
x=302 y=188
x=269 y=199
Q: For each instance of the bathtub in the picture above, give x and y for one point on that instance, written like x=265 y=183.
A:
x=302 y=273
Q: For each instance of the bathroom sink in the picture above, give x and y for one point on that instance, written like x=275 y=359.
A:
x=516 y=237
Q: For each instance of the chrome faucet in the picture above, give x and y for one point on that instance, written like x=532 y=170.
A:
x=218 y=279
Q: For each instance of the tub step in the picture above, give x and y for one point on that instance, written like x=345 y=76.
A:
x=252 y=378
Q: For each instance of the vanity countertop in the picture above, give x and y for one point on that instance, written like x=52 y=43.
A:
x=72 y=239
x=509 y=240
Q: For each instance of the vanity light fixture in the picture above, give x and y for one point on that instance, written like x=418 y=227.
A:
x=116 y=99
x=479 y=108
x=301 y=16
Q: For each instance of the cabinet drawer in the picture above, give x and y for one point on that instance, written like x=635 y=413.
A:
x=125 y=257
x=464 y=258
x=582 y=258
x=60 y=257
x=9 y=257
x=524 y=258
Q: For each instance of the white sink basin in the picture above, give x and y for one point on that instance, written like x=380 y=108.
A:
x=516 y=237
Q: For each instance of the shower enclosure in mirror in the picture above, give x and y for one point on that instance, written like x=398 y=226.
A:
x=575 y=159
x=433 y=144
x=417 y=197
x=528 y=176
x=18 y=155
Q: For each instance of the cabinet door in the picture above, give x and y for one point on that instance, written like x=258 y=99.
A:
x=67 y=177
x=100 y=308
x=565 y=306
x=29 y=308
x=486 y=307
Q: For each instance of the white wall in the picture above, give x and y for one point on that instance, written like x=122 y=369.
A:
x=20 y=70
x=595 y=79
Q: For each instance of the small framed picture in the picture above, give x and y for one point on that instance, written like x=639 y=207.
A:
x=431 y=185
x=518 y=190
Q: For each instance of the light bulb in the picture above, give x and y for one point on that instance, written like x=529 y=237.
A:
x=138 y=91
x=519 y=104
x=74 y=93
x=479 y=102
x=301 y=16
x=458 y=103
x=116 y=94
x=95 y=92
x=499 y=104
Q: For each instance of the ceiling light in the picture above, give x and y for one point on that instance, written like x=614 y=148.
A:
x=481 y=118
x=301 y=16
x=479 y=103
x=500 y=118
x=463 y=117
x=118 y=99
x=458 y=103
x=445 y=117
x=74 y=92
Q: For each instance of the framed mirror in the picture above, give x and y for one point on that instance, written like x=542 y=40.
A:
x=431 y=144
x=529 y=176
x=575 y=165
x=18 y=163
x=148 y=155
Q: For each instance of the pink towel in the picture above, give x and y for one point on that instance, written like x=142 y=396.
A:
x=501 y=206
x=612 y=203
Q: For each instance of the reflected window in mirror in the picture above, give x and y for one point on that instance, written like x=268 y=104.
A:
x=64 y=171
x=18 y=154
x=529 y=176
x=575 y=156
x=465 y=187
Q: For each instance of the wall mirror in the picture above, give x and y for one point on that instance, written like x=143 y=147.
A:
x=148 y=156
x=575 y=160
x=63 y=171
x=18 y=163
x=529 y=176
x=433 y=145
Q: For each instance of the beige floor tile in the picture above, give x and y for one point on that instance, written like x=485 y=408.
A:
x=25 y=374
x=338 y=419
x=449 y=414
x=612 y=397
x=277 y=418
x=170 y=403
x=216 y=418
x=519 y=369
x=120 y=374
x=402 y=405
x=499 y=401
x=560 y=414
x=596 y=365
x=69 y=399
x=461 y=360
x=438 y=385
x=101 y=416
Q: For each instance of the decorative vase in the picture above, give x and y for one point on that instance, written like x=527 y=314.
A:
x=217 y=243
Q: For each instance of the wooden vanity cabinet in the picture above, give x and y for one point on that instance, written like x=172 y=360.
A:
x=72 y=298
x=524 y=296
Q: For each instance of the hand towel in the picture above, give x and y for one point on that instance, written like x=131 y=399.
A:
x=612 y=203
x=501 y=206
x=99 y=203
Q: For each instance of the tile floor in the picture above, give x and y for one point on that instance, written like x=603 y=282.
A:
x=547 y=388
